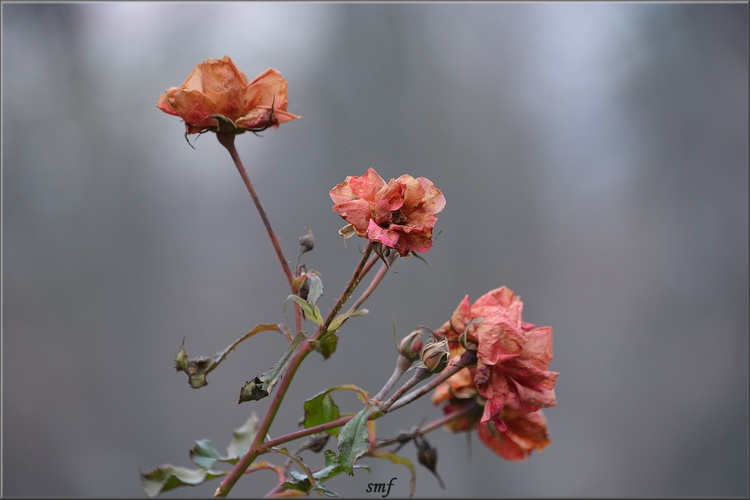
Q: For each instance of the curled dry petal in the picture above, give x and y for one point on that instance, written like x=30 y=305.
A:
x=523 y=433
x=399 y=214
x=217 y=94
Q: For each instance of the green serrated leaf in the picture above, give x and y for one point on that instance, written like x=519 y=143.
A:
x=322 y=489
x=354 y=440
x=312 y=312
x=321 y=409
x=339 y=320
x=242 y=438
x=329 y=457
x=316 y=288
x=301 y=482
x=204 y=454
x=168 y=477
x=328 y=345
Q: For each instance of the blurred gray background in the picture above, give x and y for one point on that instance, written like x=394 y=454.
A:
x=594 y=158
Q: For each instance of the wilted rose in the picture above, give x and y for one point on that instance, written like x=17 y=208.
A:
x=399 y=214
x=510 y=382
x=512 y=355
x=218 y=97
x=512 y=434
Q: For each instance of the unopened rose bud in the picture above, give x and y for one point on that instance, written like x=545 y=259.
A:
x=427 y=456
x=435 y=356
x=317 y=442
x=306 y=241
x=410 y=346
x=304 y=289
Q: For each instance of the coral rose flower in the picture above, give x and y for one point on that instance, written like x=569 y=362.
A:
x=218 y=96
x=512 y=355
x=513 y=435
x=510 y=382
x=399 y=214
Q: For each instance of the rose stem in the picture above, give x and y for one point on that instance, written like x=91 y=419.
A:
x=302 y=351
x=227 y=140
x=467 y=359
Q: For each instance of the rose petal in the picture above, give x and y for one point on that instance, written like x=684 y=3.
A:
x=357 y=213
x=384 y=236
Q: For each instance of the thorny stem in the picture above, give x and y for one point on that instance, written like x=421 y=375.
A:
x=257 y=446
x=227 y=140
x=343 y=420
x=359 y=273
x=468 y=358
x=435 y=424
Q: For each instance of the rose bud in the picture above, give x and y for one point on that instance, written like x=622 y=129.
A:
x=427 y=456
x=410 y=346
x=306 y=241
x=435 y=356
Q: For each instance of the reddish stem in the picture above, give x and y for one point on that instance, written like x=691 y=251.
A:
x=257 y=446
x=227 y=140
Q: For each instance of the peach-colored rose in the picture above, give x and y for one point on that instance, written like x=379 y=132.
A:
x=218 y=94
x=399 y=214
x=512 y=355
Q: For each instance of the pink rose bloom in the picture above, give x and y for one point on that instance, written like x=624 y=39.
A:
x=399 y=214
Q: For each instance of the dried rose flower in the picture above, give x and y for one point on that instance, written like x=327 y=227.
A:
x=399 y=214
x=510 y=382
x=512 y=355
x=519 y=435
x=218 y=96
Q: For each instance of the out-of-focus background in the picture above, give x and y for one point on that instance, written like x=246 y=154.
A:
x=594 y=158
